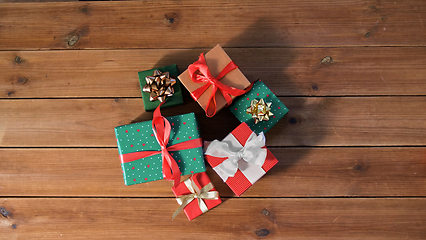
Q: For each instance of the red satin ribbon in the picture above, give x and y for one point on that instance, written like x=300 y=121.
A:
x=162 y=129
x=206 y=77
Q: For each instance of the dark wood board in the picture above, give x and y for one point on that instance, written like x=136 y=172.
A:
x=301 y=172
x=196 y=24
x=312 y=121
x=273 y=218
x=351 y=151
x=288 y=71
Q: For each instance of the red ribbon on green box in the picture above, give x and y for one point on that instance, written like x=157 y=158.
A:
x=161 y=128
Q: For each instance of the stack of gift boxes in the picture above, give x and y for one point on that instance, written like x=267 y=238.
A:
x=168 y=147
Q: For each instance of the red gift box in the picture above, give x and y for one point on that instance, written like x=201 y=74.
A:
x=193 y=210
x=248 y=172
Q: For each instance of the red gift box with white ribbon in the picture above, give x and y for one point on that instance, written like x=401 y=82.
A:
x=240 y=159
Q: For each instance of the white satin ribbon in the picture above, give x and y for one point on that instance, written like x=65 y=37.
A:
x=248 y=158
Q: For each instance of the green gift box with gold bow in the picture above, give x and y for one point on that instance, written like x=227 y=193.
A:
x=260 y=108
x=162 y=85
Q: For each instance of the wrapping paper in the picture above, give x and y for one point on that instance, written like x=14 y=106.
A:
x=258 y=91
x=217 y=60
x=139 y=137
x=192 y=210
x=252 y=162
x=174 y=100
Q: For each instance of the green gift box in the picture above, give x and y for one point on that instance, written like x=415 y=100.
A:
x=174 y=100
x=258 y=91
x=139 y=137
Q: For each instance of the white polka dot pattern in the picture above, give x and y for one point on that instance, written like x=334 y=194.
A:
x=258 y=91
x=140 y=137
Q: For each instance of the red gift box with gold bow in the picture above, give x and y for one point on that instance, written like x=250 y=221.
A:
x=196 y=195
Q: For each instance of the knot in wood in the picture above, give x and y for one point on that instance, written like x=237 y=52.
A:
x=265 y=212
x=373 y=8
x=73 y=40
x=18 y=59
x=357 y=167
x=85 y=9
x=170 y=19
x=262 y=232
x=22 y=80
x=4 y=212
x=327 y=60
x=292 y=120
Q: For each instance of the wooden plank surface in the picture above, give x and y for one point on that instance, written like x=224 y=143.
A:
x=195 y=24
x=351 y=150
x=278 y=218
x=25 y=1
x=314 y=121
x=301 y=172
x=289 y=72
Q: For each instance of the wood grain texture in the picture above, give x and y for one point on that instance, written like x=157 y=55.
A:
x=239 y=219
x=315 y=121
x=169 y=24
x=287 y=71
x=301 y=172
x=351 y=151
x=27 y=1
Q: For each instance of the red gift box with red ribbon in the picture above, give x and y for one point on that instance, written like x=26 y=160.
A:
x=240 y=159
x=196 y=195
x=214 y=81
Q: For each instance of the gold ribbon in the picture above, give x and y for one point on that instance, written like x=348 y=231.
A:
x=196 y=193
x=159 y=86
x=259 y=110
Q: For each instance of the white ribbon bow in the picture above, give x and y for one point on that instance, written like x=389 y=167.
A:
x=251 y=153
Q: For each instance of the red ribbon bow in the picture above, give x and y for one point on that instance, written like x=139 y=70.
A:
x=162 y=129
x=206 y=77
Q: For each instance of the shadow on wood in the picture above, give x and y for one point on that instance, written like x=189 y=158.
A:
x=224 y=122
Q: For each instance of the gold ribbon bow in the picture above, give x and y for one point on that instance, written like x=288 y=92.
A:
x=259 y=110
x=196 y=193
x=159 y=85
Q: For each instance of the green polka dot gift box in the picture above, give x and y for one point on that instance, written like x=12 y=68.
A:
x=175 y=99
x=275 y=109
x=139 y=137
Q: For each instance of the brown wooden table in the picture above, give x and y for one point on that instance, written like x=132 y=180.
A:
x=352 y=149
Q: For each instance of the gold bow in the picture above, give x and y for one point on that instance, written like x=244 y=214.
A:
x=159 y=85
x=196 y=193
x=259 y=110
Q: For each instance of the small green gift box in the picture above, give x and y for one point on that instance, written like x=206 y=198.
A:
x=138 y=139
x=251 y=100
x=173 y=100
